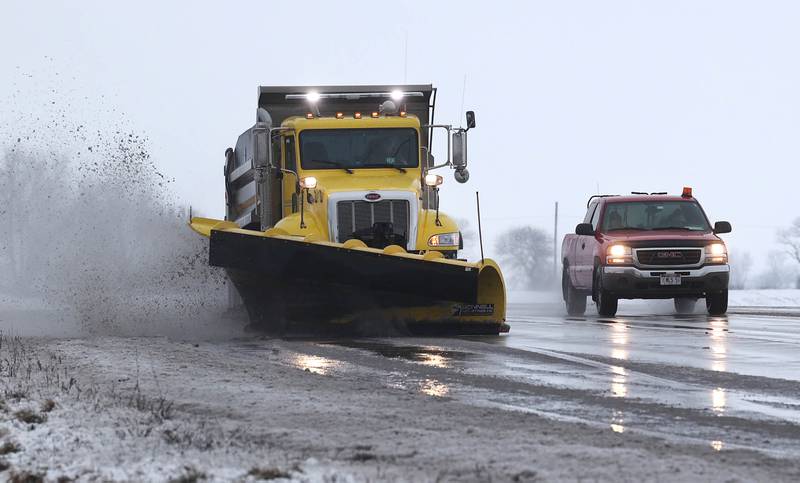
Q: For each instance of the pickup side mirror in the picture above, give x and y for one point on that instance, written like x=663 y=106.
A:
x=470 y=119
x=722 y=227
x=585 y=229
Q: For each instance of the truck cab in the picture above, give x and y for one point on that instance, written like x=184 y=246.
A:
x=645 y=246
x=347 y=163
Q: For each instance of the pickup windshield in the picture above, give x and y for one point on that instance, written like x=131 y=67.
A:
x=654 y=215
x=359 y=148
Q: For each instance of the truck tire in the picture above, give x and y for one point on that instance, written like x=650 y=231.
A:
x=606 y=303
x=574 y=300
x=717 y=303
x=685 y=305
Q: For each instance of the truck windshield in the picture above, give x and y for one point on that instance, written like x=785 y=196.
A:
x=654 y=215
x=359 y=148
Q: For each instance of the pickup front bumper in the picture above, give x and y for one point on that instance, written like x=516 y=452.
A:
x=638 y=283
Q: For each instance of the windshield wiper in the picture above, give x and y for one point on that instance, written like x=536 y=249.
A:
x=627 y=228
x=334 y=163
x=671 y=228
x=398 y=168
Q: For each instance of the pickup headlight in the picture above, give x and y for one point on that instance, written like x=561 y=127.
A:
x=619 y=255
x=444 y=240
x=716 y=253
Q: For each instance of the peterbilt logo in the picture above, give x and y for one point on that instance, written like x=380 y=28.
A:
x=669 y=255
x=372 y=196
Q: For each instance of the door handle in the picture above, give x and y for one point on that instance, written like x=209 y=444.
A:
x=583 y=246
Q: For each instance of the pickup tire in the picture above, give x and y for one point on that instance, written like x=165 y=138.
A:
x=717 y=303
x=606 y=303
x=574 y=300
x=685 y=305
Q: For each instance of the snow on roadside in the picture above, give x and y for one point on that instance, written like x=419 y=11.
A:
x=765 y=298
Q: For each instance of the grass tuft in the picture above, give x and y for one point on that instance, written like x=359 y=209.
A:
x=268 y=473
x=25 y=477
x=189 y=475
x=30 y=417
x=48 y=405
x=9 y=447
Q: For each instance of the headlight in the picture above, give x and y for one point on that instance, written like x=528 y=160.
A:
x=433 y=179
x=619 y=255
x=716 y=253
x=444 y=240
x=308 y=182
x=619 y=250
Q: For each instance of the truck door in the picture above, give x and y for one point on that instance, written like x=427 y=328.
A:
x=584 y=250
x=289 y=160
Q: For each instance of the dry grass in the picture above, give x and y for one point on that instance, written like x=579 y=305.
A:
x=48 y=405
x=30 y=417
x=25 y=477
x=9 y=447
x=189 y=475
x=268 y=473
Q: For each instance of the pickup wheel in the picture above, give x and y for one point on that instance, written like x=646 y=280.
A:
x=684 y=305
x=606 y=303
x=574 y=300
x=717 y=303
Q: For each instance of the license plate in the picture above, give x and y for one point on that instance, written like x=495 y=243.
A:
x=670 y=280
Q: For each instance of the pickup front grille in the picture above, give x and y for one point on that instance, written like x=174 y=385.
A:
x=356 y=218
x=669 y=257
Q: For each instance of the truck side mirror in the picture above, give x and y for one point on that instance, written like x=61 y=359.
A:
x=459 y=149
x=470 y=119
x=585 y=229
x=261 y=147
x=722 y=227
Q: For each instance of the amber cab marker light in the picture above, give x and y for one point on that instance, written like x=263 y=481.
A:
x=309 y=116
x=375 y=114
x=357 y=115
x=339 y=115
x=403 y=113
x=687 y=192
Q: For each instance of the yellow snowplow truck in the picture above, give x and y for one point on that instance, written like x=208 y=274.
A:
x=332 y=221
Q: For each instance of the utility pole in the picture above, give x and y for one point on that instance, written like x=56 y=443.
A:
x=555 y=243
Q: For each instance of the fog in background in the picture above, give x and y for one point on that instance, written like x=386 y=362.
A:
x=571 y=97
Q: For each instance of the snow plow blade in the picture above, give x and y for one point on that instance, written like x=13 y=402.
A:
x=291 y=284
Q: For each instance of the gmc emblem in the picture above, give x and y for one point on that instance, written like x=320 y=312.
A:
x=372 y=196
x=669 y=255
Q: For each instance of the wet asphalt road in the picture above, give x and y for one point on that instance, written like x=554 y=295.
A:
x=730 y=382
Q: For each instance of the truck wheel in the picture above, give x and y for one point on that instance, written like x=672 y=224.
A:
x=717 y=303
x=684 y=305
x=574 y=300
x=606 y=303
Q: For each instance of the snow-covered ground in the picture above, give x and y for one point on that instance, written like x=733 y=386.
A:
x=642 y=398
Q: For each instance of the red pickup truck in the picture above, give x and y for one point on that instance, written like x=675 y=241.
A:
x=645 y=246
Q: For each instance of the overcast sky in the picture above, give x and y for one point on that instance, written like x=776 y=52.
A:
x=569 y=96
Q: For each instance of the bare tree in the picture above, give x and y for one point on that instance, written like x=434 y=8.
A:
x=468 y=234
x=741 y=266
x=790 y=238
x=777 y=272
x=526 y=253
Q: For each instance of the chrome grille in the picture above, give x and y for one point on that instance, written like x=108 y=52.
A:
x=669 y=256
x=356 y=215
